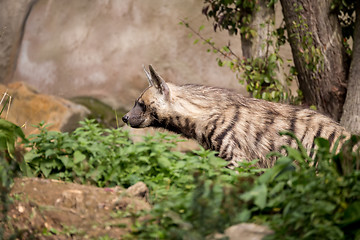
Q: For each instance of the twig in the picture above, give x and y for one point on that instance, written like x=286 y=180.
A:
x=205 y=40
x=232 y=53
x=8 y=109
x=6 y=101
x=2 y=99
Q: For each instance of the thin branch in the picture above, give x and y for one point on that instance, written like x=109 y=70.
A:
x=232 y=53
x=8 y=109
x=205 y=40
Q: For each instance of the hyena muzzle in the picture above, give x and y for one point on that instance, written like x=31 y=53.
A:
x=237 y=127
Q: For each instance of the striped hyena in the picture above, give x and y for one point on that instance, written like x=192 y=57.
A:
x=239 y=128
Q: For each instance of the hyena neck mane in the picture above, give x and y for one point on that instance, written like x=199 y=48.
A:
x=190 y=106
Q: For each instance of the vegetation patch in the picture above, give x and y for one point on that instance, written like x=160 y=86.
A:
x=193 y=195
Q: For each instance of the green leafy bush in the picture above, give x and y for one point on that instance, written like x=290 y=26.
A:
x=9 y=166
x=87 y=155
x=307 y=202
x=194 y=195
x=105 y=157
x=294 y=198
x=212 y=205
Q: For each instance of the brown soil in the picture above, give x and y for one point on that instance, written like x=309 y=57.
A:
x=51 y=209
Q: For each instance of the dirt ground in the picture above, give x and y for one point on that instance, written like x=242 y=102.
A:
x=51 y=209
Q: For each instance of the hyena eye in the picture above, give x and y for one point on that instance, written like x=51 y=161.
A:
x=142 y=106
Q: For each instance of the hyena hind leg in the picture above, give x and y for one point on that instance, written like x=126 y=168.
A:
x=234 y=161
x=262 y=163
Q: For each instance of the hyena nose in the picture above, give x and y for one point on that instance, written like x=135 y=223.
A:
x=125 y=118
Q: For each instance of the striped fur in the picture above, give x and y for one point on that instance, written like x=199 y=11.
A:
x=239 y=128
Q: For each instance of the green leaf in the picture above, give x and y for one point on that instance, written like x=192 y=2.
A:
x=45 y=169
x=25 y=169
x=294 y=154
x=29 y=156
x=266 y=79
x=6 y=125
x=164 y=162
x=66 y=161
x=273 y=94
x=253 y=33
x=277 y=188
x=78 y=157
x=217 y=162
x=313 y=107
x=352 y=214
x=243 y=216
x=264 y=95
x=49 y=152
x=258 y=194
x=248 y=67
x=281 y=165
x=272 y=58
x=226 y=49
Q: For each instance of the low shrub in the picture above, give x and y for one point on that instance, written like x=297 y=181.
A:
x=195 y=196
x=107 y=157
x=299 y=198
x=10 y=164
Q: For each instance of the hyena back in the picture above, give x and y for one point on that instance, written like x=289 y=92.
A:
x=239 y=128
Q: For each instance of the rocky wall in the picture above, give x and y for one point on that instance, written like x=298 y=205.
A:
x=97 y=48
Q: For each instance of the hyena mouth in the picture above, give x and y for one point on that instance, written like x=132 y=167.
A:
x=135 y=124
x=132 y=122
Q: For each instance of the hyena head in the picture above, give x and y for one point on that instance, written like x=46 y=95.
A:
x=154 y=99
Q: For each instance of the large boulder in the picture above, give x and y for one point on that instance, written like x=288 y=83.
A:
x=27 y=108
x=104 y=114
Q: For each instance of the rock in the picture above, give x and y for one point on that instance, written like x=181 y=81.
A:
x=29 y=108
x=130 y=204
x=71 y=198
x=102 y=112
x=185 y=145
x=44 y=204
x=97 y=48
x=134 y=198
x=244 y=231
x=12 y=17
x=139 y=190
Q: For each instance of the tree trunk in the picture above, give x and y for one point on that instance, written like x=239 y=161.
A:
x=13 y=16
x=351 y=116
x=319 y=56
x=255 y=46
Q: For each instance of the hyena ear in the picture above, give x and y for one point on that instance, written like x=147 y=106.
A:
x=159 y=83
x=148 y=76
